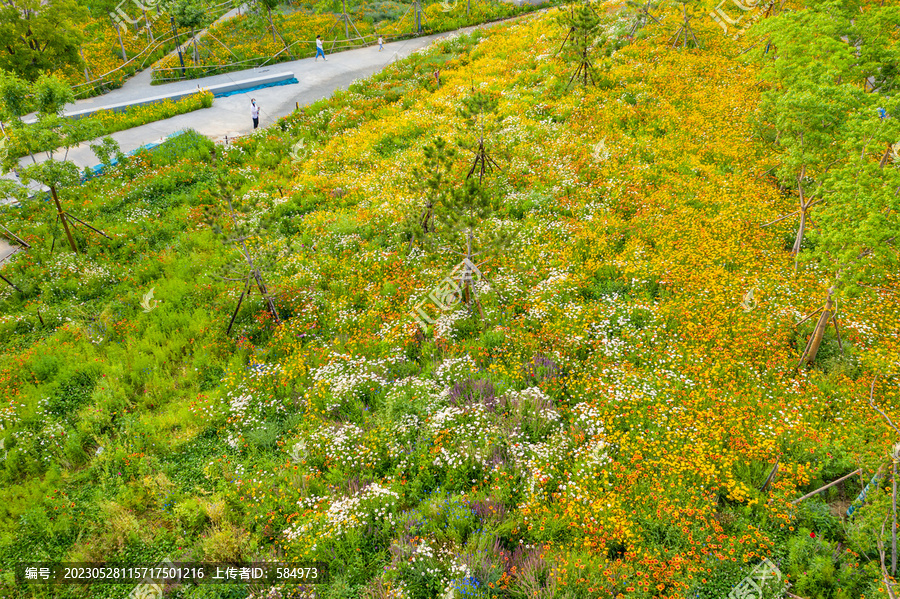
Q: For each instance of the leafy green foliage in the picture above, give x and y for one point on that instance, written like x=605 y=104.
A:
x=40 y=36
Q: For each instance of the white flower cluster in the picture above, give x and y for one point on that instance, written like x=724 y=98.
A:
x=232 y=439
x=594 y=453
x=238 y=473
x=340 y=445
x=138 y=215
x=443 y=326
x=412 y=385
x=554 y=278
x=8 y=417
x=47 y=444
x=262 y=370
x=534 y=396
x=472 y=415
x=238 y=405
x=453 y=370
x=408 y=423
x=426 y=555
x=538 y=459
x=351 y=241
x=587 y=417
x=470 y=429
x=374 y=503
x=348 y=378
x=246 y=412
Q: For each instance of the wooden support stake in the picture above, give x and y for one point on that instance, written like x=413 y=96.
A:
x=894 y=513
x=884 y=572
x=838 y=332
x=808 y=317
x=16 y=237
x=88 y=226
x=62 y=216
x=121 y=45
x=828 y=486
x=771 y=476
x=11 y=284
x=246 y=291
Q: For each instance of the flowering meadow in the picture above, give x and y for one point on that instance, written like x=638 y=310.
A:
x=603 y=422
x=247 y=41
x=104 y=122
x=104 y=67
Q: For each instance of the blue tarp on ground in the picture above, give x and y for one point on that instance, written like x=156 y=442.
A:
x=290 y=81
x=98 y=170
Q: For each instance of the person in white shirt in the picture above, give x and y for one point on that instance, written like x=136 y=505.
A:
x=380 y=43
x=320 y=49
x=254 y=113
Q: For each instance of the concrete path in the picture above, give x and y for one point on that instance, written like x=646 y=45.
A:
x=6 y=250
x=138 y=85
x=230 y=116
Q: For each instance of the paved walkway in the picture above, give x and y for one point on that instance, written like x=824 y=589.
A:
x=6 y=249
x=138 y=87
x=230 y=116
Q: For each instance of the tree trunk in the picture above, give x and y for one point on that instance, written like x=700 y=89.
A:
x=121 y=45
x=815 y=340
x=150 y=38
x=278 y=33
x=894 y=527
x=272 y=25
x=801 y=229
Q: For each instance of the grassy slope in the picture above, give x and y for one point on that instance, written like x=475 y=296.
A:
x=674 y=404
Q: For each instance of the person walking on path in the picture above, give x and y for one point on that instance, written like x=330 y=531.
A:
x=254 y=113
x=380 y=43
x=320 y=49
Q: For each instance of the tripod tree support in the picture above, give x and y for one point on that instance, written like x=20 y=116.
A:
x=53 y=129
x=253 y=272
x=245 y=292
x=62 y=217
x=348 y=22
x=583 y=25
x=685 y=29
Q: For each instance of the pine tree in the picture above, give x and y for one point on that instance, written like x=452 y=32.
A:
x=434 y=182
x=246 y=223
x=465 y=229
x=583 y=25
x=478 y=112
x=51 y=132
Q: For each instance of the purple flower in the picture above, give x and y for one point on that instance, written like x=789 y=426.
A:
x=471 y=391
x=541 y=367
